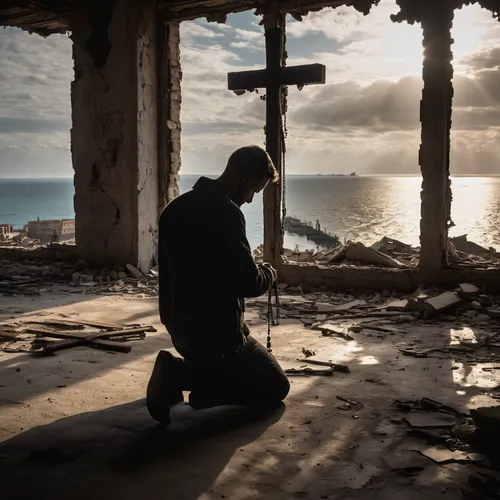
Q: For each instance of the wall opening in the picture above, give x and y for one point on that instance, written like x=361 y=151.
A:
x=353 y=143
x=36 y=175
x=475 y=134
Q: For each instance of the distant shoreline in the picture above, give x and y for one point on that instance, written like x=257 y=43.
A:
x=336 y=176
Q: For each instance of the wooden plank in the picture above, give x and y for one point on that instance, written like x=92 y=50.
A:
x=111 y=345
x=98 y=343
x=93 y=324
x=307 y=74
x=272 y=193
x=82 y=335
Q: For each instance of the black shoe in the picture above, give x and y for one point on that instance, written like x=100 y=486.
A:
x=164 y=387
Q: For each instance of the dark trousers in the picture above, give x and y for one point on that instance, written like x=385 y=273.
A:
x=252 y=377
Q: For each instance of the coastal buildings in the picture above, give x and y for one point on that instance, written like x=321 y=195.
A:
x=6 y=232
x=126 y=128
x=51 y=231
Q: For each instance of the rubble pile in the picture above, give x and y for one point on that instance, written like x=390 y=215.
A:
x=343 y=315
x=391 y=253
x=32 y=276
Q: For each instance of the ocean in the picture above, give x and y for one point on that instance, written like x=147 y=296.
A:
x=363 y=208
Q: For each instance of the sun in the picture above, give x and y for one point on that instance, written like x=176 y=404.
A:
x=473 y=29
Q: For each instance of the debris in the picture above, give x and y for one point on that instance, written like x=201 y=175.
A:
x=357 y=252
x=446 y=300
x=307 y=353
x=399 y=305
x=325 y=308
x=389 y=245
x=134 y=272
x=433 y=436
x=309 y=371
x=430 y=420
x=369 y=326
x=349 y=305
x=467 y=290
x=409 y=471
x=468 y=247
x=442 y=455
x=336 y=367
x=330 y=330
x=43 y=337
x=355 y=404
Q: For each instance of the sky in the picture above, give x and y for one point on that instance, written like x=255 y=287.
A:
x=365 y=119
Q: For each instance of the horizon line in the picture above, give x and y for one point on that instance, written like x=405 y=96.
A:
x=319 y=174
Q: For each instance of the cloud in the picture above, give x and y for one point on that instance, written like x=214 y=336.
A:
x=366 y=118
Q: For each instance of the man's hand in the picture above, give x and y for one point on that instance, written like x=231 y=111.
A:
x=271 y=269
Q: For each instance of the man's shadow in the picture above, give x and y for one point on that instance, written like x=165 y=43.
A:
x=121 y=453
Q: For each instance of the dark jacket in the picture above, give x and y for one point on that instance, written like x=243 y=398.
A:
x=206 y=269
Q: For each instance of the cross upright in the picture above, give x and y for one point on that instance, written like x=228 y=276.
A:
x=273 y=78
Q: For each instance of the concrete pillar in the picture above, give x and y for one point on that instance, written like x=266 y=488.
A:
x=435 y=115
x=169 y=112
x=114 y=133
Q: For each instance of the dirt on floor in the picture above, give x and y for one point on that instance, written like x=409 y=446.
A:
x=75 y=425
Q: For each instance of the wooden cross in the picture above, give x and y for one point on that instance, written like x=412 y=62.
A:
x=273 y=78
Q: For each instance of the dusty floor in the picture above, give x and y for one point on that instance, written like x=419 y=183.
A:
x=75 y=425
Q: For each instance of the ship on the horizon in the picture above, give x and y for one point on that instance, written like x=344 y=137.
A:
x=352 y=174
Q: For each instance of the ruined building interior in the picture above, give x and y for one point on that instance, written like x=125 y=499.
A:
x=418 y=343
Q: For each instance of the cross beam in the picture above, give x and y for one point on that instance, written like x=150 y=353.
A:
x=273 y=78
x=308 y=74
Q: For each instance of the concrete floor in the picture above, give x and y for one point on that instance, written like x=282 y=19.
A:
x=75 y=425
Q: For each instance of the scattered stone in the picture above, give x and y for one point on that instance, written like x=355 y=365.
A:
x=134 y=272
x=122 y=275
x=446 y=300
x=331 y=330
x=325 y=308
x=399 y=305
x=442 y=455
x=493 y=313
x=467 y=290
x=76 y=277
x=476 y=305
x=350 y=305
x=430 y=420
x=308 y=353
x=113 y=275
x=482 y=318
x=485 y=301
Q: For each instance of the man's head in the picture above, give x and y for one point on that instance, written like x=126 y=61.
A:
x=247 y=173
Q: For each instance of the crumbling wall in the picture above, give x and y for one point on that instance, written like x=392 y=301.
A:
x=169 y=112
x=147 y=139
x=113 y=138
x=435 y=115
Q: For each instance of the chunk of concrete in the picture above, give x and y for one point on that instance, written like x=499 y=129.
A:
x=324 y=308
x=446 y=300
x=476 y=305
x=133 y=271
x=430 y=420
x=357 y=252
x=350 y=305
x=400 y=305
x=468 y=290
